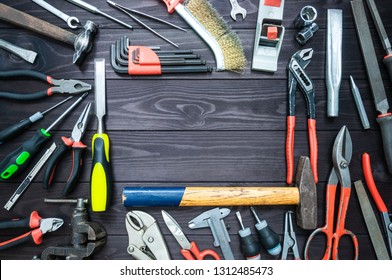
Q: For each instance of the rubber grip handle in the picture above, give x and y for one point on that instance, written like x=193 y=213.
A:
x=24 y=96
x=388 y=63
x=77 y=162
x=101 y=177
x=367 y=171
x=18 y=160
x=14 y=130
x=313 y=147
x=34 y=236
x=52 y=162
x=249 y=248
x=290 y=133
x=385 y=122
x=32 y=221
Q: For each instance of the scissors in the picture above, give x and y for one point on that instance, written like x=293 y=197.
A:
x=189 y=250
x=341 y=157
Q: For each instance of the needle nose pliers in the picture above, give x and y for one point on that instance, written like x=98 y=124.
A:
x=298 y=77
x=57 y=86
x=65 y=144
x=38 y=225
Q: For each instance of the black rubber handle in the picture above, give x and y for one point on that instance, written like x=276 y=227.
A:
x=24 y=96
x=385 y=122
x=15 y=223
x=77 y=162
x=18 y=160
x=17 y=241
x=388 y=63
x=268 y=238
x=51 y=164
x=249 y=248
x=14 y=130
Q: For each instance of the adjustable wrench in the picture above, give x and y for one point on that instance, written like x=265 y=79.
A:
x=236 y=9
x=68 y=19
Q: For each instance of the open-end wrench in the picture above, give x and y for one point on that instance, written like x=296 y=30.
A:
x=68 y=19
x=236 y=9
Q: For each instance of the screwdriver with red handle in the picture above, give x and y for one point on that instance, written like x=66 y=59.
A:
x=18 y=160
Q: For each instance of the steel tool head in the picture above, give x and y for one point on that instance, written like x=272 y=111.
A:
x=70 y=86
x=307 y=208
x=50 y=224
x=176 y=230
x=80 y=126
x=341 y=156
x=84 y=42
x=202 y=220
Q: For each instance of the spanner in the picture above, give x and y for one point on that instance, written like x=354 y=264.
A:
x=236 y=9
x=68 y=19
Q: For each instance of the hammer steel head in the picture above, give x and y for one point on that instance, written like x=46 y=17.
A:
x=84 y=42
x=307 y=208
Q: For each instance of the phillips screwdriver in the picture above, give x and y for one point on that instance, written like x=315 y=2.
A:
x=16 y=129
x=101 y=178
x=249 y=247
x=268 y=238
x=17 y=160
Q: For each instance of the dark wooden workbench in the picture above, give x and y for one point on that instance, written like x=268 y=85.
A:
x=200 y=129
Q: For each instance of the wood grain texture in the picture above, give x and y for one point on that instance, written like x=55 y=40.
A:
x=219 y=129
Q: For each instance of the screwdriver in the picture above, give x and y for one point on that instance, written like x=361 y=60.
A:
x=101 y=178
x=18 y=160
x=249 y=248
x=17 y=128
x=268 y=238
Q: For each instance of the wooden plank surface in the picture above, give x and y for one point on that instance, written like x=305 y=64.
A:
x=219 y=129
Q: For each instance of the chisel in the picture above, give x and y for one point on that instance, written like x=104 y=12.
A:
x=101 y=178
x=384 y=119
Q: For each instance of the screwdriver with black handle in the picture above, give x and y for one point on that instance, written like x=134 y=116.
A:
x=268 y=238
x=18 y=160
x=101 y=177
x=16 y=129
x=249 y=247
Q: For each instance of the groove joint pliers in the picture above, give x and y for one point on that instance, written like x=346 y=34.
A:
x=297 y=77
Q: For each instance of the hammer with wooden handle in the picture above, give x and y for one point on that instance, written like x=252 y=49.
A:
x=81 y=42
x=304 y=195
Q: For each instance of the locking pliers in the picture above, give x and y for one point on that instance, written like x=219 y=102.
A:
x=145 y=238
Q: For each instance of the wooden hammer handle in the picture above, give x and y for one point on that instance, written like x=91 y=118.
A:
x=210 y=196
x=24 y=20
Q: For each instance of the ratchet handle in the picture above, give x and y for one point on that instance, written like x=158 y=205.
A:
x=385 y=122
x=367 y=171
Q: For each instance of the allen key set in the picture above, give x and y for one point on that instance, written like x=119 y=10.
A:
x=141 y=60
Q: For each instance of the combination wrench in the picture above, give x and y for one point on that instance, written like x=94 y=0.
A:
x=237 y=9
x=68 y=19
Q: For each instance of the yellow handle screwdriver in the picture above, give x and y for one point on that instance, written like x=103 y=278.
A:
x=101 y=177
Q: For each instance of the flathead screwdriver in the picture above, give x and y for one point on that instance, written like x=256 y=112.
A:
x=16 y=129
x=18 y=160
x=249 y=247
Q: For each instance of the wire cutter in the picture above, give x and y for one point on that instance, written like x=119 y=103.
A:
x=57 y=86
x=385 y=216
x=74 y=143
x=38 y=225
x=298 y=77
x=340 y=173
x=189 y=250
x=146 y=241
x=289 y=239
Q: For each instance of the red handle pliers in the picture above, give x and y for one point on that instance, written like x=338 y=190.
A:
x=57 y=86
x=298 y=77
x=38 y=225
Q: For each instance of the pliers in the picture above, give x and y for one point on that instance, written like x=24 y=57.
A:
x=58 y=86
x=38 y=225
x=298 y=77
x=289 y=239
x=65 y=144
